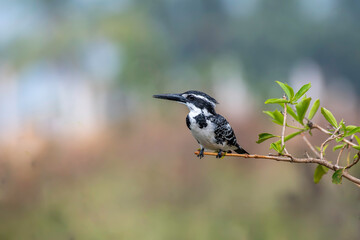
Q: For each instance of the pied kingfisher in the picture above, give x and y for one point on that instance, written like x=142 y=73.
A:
x=211 y=130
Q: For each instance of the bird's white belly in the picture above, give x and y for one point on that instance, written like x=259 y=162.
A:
x=206 y=136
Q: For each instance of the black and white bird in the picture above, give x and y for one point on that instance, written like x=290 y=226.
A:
x=211 y=130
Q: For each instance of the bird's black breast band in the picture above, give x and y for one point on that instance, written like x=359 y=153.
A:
x=201 y=121
x=188 y=122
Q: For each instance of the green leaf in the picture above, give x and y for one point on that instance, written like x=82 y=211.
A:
x=319 y=172
x=265 y=136
x=355 y=130
x=277 y=117
x=338 y=146
x=343 y=126
x=342 y=123
x=337 y=176
x=269 y=113
x=301 y=109
x=319 y=148
x=356 y=147
x=357 y=139
x=339 y=139
x=301 y=92
x=350 y=127
x=329 y=117
x=287 y=89
x=276 y=100
x=291 y=112
x=325 y=147
x=314 y=109
x=290 y=136
x=277 y=147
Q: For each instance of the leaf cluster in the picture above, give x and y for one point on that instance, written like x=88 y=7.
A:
x=297 y=105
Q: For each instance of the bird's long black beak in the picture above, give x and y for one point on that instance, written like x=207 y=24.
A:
x=171 y=97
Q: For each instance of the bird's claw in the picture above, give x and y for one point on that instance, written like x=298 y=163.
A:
x=219 y=155
x=201 y=153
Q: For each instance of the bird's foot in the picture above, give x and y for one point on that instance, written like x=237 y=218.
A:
x=219 y=155
x=201 y=153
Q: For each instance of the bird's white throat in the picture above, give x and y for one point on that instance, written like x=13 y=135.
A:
x=194 y=111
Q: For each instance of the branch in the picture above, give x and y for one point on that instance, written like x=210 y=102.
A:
x=291 y=160
x=332 y=137
x=340 y=152
x=314 y=125
x=310 y=145
x=333 y=134
x=355 y=161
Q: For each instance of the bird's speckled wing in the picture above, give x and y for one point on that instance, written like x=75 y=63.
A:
x=223 y=131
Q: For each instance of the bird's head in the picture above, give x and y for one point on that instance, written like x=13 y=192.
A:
x=196 y=101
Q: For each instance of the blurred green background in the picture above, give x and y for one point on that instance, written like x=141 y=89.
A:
x=86 y=153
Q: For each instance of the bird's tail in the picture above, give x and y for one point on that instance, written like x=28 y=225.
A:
x=240 y=150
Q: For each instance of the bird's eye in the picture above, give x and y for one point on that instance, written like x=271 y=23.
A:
x=191 y=97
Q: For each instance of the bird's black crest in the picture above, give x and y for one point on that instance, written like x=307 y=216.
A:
x=202 y=94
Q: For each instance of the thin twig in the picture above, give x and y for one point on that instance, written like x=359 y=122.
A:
x=310 y=145
x=323 y=145
x=330 y=133
x=332 y=137
x=283 y=128
x=291 y=160
x=338 y=158
x=354 y=162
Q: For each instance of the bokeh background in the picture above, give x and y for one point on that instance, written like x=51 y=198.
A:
x=87 y=153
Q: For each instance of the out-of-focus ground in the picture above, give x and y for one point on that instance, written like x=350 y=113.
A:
x=87 y=153
x=140 y=180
